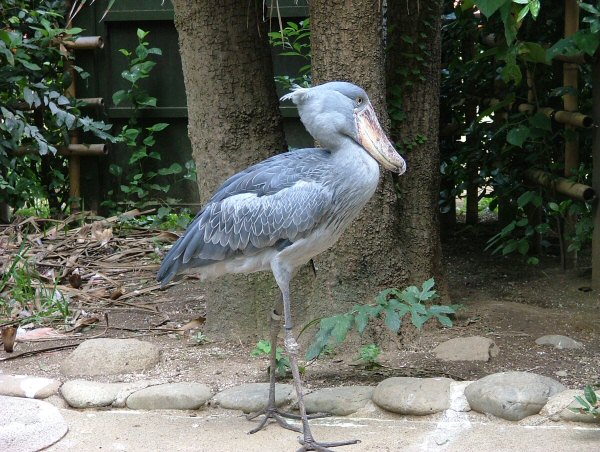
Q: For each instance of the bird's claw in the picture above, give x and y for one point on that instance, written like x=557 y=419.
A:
x=324 y=447
x=277 y=416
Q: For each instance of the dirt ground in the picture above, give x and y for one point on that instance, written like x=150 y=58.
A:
x=503 y=299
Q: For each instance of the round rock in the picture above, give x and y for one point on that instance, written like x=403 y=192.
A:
x=558 y=341
x=418 y=396
x=559 y=407
x=170 y=396
x=511 y=395
x=110 y=357
x=29 y=425
x=88 y=394
x=474 y=348
x=339 y=401
x=252 y=397
x=26 y=386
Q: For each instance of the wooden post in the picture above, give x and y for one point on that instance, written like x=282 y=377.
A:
x=596 y=176
x=570 y=102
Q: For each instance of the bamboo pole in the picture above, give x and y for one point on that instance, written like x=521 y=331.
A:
x=84 y=150
x=84 y=43
x=570 y=103
x=596 y=177
x=570 y=118
x=561 y=185
x=92 y=102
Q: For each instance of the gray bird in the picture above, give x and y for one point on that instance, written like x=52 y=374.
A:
x=280 y=213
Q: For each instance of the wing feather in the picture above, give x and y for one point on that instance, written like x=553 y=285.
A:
x=269 y=204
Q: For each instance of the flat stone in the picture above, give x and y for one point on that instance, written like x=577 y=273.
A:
x=559 y=407
x=110 y=357
x=88 y=394
x=170 y=396
x=339 y=401
x=558 y=341
x=474 y=348
x=511 y=395
x=417 y=396
x=27 y=386
x=252 y=397
x=29 y=425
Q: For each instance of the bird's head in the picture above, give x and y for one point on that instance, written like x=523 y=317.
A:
x=334 y=111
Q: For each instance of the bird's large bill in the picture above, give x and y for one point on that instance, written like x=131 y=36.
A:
x=375 y=141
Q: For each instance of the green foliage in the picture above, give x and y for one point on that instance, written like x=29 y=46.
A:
x=590 y=404
x=24 y=294
x=500 y=142
x=140 y=186
x=293 y=40
x=368 y=355
x=35 y=115
x=263 y=348
x=391 y=305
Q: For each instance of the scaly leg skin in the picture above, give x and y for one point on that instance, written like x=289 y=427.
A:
x=308 y=442
x=271 y=411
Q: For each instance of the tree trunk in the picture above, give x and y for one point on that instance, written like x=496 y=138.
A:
x=234 y=122
x=416 y=31
x=347 y=44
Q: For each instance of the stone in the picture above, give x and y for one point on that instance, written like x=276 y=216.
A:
x=28 y=425
x=511 y=395
x=170 y=396
x=252 y=397
x=339 y=401
x=417 y=396
x=474 y=348
x=88 y=394
x=110 y=357
x=558 y=341
x=559 y=407
x=27 y=386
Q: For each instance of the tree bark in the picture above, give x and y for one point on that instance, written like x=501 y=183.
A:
x=418 y=23
x=234 y=122
x=347 y=44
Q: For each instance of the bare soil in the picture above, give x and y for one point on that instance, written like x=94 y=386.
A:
x=503 y=298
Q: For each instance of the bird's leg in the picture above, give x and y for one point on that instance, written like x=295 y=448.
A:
x=271 y=411
x=308 y=442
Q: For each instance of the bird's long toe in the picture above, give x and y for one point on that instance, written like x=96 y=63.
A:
x=324 y=446
x=276 y=415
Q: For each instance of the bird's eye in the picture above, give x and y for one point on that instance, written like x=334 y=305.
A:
x=359 y=100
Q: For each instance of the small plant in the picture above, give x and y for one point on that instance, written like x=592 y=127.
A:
x=590 y=405
x=294 y=39
x=391 y=305
x=200 y=338
x=368 y=355
x=24 y=296
x=137 y=184
x=263 y=348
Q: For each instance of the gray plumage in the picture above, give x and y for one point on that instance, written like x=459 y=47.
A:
x=278 y=214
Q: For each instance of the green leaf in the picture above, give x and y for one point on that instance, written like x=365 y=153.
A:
x=29 y=65
x=428 y=285
x=525 y=199
x=534 y=7
x=518 y=135
x=590 y=395
x=141 y=34
x=589 y=8
x=534 y=52
x=119 y=96
x=523 y=247
x=343 y=325
x=158 y=127
x=587 y=41
x=489 y=7
x=392 y=319
x=541 y=121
